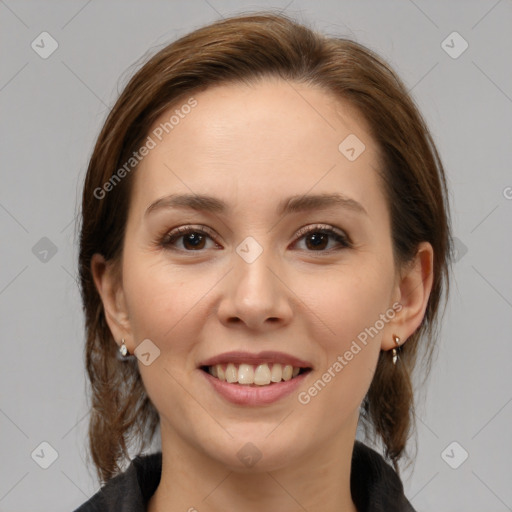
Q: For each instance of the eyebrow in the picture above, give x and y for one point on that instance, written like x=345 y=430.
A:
x=293 y=204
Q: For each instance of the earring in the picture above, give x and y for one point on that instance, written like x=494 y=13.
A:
x=123 y=349
x=396 y=339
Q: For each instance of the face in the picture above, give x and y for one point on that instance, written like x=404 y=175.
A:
x=255 y=279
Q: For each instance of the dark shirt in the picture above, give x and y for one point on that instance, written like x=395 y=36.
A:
x=374 y=485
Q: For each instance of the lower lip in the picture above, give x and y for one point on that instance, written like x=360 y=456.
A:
x=243 y=394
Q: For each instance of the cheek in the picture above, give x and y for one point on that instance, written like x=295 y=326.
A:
x=352 y=309
x=160 y=297
x=348 y=301
x=349 y=339
x=165 y=306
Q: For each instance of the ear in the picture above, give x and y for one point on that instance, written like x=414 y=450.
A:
x=412 y=292
x=108 y=282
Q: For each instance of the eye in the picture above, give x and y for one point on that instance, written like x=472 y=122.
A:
x=317 y=238
x=194 y=238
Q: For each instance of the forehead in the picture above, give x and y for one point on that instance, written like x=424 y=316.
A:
x=258 y=142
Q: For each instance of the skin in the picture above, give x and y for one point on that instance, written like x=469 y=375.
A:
x=253 y=146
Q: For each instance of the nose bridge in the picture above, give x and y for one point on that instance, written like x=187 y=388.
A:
x=254 y=282
x=254 y=294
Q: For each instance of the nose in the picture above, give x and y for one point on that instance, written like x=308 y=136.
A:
x=255 y=294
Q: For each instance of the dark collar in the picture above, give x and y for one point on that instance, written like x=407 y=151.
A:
x=374 y=485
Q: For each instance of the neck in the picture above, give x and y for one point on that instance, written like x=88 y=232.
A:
x=317 y=481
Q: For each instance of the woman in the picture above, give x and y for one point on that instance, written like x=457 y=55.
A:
x=265 y=240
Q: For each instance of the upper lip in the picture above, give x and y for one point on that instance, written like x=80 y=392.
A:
x=239 y=357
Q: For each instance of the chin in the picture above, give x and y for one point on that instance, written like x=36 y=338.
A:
x=256 y=452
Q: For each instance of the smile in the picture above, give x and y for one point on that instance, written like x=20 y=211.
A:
x=257 y=375
x=249 y=379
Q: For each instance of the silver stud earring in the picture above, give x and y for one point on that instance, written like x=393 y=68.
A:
x=396 y=339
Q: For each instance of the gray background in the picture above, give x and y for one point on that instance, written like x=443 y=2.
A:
x=52 y=110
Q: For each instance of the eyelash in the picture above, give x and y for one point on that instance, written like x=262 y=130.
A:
x=170 y=238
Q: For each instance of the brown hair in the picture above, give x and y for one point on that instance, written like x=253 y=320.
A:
x=243 y=49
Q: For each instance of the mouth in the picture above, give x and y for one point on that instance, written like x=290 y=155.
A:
x=256 y=370
x=264 y=374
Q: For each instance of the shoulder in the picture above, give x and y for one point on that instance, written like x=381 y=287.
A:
x=374 y=484
x=129 y=491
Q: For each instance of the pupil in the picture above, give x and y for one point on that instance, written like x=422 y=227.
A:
x=193 y=239
x=318 y=239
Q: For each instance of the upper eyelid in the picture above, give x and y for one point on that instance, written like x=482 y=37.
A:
x=319 y=227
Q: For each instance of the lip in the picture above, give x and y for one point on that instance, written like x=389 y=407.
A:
x=238 y=357
x=244 y=394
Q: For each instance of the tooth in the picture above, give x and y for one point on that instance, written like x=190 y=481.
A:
x=287 y=372
x=277 y=373
x=246 y=374
x=220 y=372
x=231 y=373
x=262 y=375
